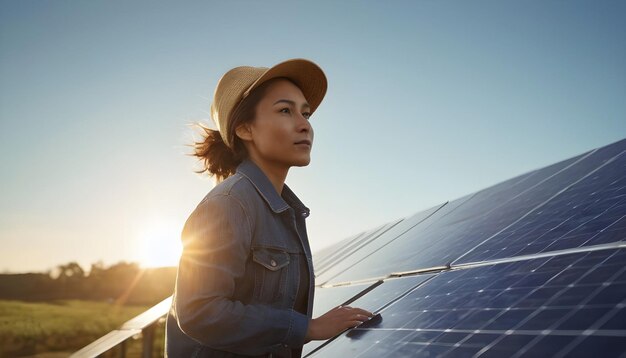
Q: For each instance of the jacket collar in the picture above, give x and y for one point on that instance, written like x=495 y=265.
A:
x=278 y=203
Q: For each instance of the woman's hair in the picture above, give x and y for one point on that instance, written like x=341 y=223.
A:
x=218 y=159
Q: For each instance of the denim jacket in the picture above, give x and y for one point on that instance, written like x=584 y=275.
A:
x=239 y=273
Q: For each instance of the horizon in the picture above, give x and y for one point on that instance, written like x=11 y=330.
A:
x=146 y=265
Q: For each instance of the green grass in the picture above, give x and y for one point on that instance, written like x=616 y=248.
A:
x=32 y=328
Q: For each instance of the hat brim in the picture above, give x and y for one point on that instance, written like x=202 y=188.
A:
x=308 y=76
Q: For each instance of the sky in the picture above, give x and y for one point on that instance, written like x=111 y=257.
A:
x=427 y=101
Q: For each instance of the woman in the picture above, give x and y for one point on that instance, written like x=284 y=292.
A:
x=245 y=280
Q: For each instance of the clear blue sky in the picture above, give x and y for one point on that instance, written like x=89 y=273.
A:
x=427 y=101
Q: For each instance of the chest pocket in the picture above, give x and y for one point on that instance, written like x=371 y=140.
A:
x=271 y=273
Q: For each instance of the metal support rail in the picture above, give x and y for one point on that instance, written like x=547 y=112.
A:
x=145 y=323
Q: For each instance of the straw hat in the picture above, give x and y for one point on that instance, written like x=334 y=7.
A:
x=236 y=84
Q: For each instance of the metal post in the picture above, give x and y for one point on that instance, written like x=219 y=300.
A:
x=148 y=340
x=123 y=349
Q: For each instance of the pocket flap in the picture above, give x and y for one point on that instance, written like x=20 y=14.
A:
x=271 y=259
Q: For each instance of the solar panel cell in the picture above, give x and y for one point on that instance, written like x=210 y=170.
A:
x=506 y=346
x=583 y=318
x=606 y=346
x=617 y=321
x=545 y=346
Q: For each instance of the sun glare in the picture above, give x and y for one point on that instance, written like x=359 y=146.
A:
x=159 y=245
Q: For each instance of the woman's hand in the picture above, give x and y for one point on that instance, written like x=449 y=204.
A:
x=336 y=321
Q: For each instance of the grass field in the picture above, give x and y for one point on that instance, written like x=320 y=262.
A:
x=40 y=329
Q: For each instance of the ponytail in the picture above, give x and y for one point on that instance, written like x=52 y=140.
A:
x=218 y=159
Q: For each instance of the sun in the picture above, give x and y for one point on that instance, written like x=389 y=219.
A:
x=159 y=244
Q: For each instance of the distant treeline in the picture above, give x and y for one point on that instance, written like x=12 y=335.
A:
x=124 y=283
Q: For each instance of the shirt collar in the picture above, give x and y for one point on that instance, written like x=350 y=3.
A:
x=278 y=203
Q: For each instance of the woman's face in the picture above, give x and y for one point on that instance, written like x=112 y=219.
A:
x=280 y=136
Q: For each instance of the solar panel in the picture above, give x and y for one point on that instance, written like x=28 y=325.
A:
x=588 y=212
x=350 y=246
x=488 y=216
x=533 y=266
x=375 y=245
x=505 y=308
x=361 y=296
x=327 y=298
x=330 y=297
x=322 y=258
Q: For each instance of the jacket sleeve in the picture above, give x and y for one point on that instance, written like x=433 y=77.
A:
x=216 y=244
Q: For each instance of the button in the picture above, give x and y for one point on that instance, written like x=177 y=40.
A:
x=273 y=263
